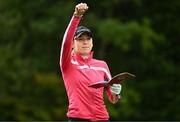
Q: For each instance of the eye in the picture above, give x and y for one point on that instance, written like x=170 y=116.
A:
x=88 y=38
x=80 y=39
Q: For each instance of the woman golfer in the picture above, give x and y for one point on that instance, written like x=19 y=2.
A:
x=79 y=70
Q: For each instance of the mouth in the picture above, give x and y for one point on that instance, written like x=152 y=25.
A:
x=85 y=47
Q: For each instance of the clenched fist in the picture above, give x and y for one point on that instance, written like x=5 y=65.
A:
x=80 y=9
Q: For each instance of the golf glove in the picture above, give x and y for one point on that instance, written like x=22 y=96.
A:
x=116 y=88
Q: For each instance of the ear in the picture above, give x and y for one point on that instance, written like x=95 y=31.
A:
x=92 y=43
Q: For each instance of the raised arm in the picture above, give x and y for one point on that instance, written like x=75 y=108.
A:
x=66 y=47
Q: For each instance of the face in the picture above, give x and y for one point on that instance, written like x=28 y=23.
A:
x=83 y=44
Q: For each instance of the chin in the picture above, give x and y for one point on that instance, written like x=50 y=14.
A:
x=85 y=53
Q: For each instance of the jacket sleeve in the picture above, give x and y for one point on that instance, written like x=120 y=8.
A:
x=66 y=47
x=112 y=97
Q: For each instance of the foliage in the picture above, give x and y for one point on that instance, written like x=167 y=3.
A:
x=26 y=94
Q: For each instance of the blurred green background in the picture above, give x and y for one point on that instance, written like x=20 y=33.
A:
x=138 y=36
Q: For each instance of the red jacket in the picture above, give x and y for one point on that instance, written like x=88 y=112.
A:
x=78 y=73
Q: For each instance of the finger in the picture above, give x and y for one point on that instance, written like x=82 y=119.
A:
x=86 y=6
x=83 y=5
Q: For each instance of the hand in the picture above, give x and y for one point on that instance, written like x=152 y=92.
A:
x=116 y=89
x=80 y=9
x=116 y=98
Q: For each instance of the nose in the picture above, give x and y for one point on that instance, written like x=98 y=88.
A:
x=85 y=41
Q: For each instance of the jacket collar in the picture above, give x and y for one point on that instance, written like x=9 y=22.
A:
x=84 y=58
